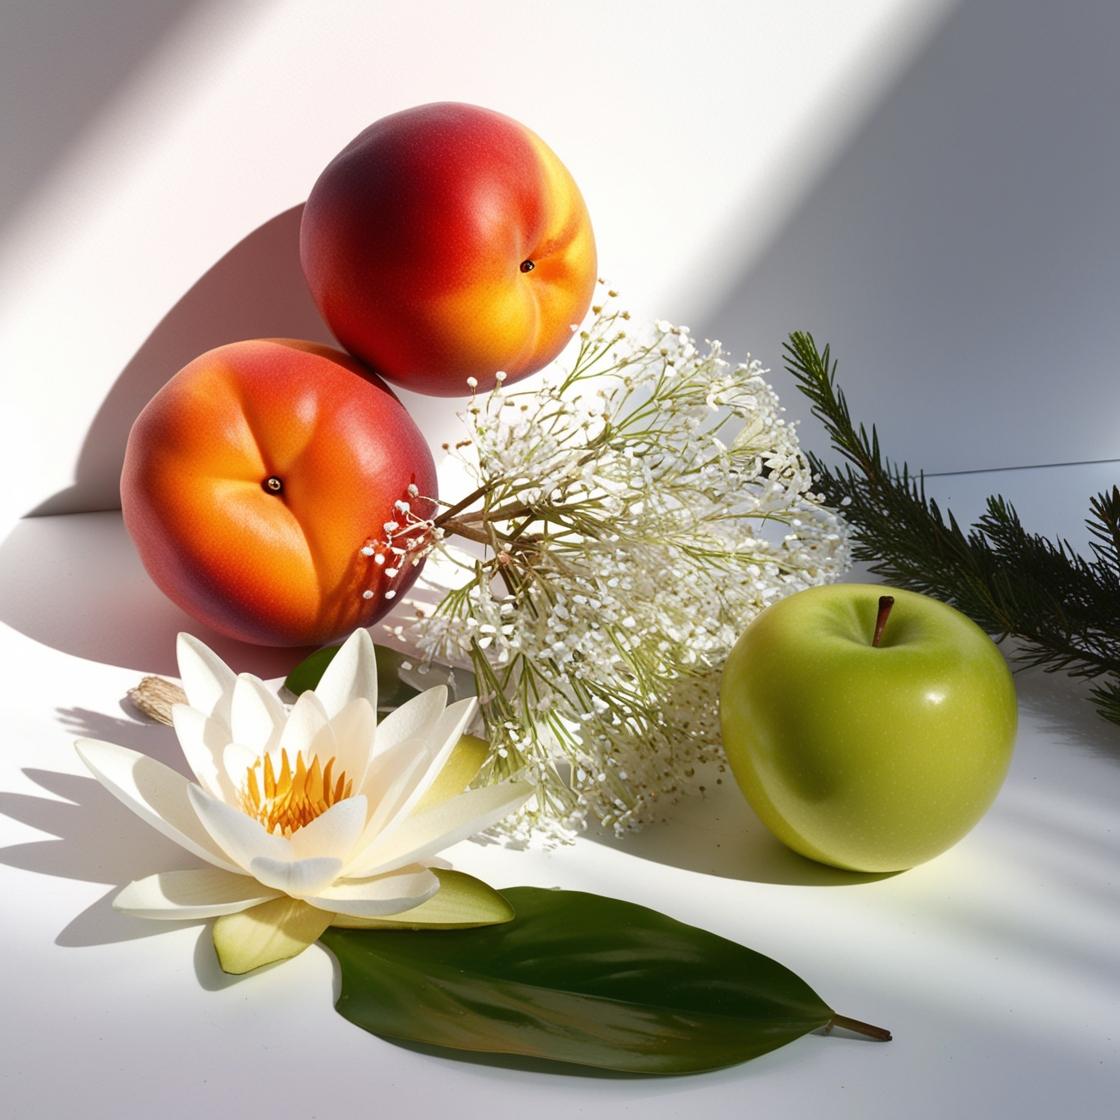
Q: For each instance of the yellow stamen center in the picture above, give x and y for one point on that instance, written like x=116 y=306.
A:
x=286 y=800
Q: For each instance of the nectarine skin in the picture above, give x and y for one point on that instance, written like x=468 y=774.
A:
x=253 y=479
x=446 y=242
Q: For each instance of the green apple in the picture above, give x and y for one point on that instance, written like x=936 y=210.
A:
x=869 y=728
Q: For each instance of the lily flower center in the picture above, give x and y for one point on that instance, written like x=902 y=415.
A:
x=286 y=799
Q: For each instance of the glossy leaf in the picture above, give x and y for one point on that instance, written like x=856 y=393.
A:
x=462 y=902
x=391 y=690
x=577 y=978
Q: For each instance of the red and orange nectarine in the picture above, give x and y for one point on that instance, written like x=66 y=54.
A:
x=446 y=242
x=254 y=477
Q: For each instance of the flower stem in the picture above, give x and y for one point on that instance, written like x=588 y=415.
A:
x=461 y=529
x=880 y=1034
x=461 y=505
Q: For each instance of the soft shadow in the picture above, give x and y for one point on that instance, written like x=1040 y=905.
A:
x=1061 y=707
x=130 y=730
x=718 y=834
x=96 y=840
x=961 y=249
x=61 y=63
x=76 y=584
x=256 y=290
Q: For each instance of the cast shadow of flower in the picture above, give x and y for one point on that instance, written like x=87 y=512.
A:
x=96 y=840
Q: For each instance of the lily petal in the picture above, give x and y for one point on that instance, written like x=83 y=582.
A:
x=442 y=741
x=436 y=751
x=298 y=878
x=256 y=716
x=204 y=741
x=306 y=719
x=412 y=720
x=157 y=794
x=351 y=674
x=353 y=730
x=425 y=834
x=462 y=902
x=268 y=933
x=237 y=759
x=241 y=837
x=207 y=680
x=461 y=768
x=333 y=833
x=203 y=892
x=392 y=777
x=385 y=894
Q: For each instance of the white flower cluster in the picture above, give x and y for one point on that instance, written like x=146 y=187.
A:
x=632 y=516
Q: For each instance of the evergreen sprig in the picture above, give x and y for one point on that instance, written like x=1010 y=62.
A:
x=1062 y=607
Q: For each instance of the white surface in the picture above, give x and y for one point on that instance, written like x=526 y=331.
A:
x=157 y=155
x=997 y=965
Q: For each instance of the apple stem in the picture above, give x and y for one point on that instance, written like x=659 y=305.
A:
x=885 y=604
x=880 y=1034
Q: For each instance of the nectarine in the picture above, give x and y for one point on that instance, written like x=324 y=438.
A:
x=447 y=242
x=255 y=476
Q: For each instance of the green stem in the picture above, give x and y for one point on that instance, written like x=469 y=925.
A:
x=461 y=505
x=880 y=1034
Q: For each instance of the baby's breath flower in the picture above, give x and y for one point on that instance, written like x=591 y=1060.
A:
x=631 y=516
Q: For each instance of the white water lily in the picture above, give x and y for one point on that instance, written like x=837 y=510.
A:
x=306 y=817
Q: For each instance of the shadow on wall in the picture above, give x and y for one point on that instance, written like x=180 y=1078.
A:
x=76 y=584
x=49 y=72
x=961 y=252
x=256 y=290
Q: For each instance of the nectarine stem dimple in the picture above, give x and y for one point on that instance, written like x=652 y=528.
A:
x=273 y=485
x=527 y=266
x=885 y=604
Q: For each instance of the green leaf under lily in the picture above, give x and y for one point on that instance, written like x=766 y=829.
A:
x=580 y=979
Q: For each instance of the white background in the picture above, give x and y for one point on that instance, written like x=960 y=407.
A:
x=931 y=186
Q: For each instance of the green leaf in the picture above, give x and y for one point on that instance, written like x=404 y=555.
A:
x=270 y=932
x=581 y=979
x=462 y=902
x=391 y=690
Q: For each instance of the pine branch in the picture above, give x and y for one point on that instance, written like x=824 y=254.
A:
x=1063 y=608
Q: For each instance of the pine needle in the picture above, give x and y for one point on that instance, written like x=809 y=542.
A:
x=1064 y=608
